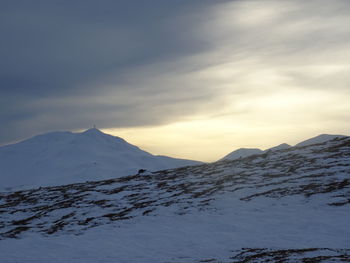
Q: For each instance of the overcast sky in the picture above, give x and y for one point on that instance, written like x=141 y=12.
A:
x=188 y=78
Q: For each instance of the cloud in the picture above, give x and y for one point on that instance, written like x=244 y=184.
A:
x=146 y=63
x=52 y=53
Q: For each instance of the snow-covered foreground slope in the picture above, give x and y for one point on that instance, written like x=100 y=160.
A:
x=289 y=205
x=63 y=157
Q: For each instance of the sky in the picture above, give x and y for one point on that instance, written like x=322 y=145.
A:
x=193 y=79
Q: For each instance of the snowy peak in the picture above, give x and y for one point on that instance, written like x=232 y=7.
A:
x=319 y=139
x=93 y=131
x=282 y=146
x=96 y=137
x=57 y=158
x=242 y=153
x=96 y=134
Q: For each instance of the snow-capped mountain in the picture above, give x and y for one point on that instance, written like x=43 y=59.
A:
x=241 y=153
x=245 y=152
x=289 y=205
x=64 y=157
x=319 y=139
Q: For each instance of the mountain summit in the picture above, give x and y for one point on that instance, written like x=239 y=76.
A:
x=94 y=131
x=64 y=157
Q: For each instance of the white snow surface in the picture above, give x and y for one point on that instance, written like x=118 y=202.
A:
x=202 y=235
x=58 y=158
x=297 y=198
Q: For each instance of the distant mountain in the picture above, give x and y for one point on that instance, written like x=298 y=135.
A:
x=246 y=152
x=242 y=153
x=319 y=139
x=65 y=157
x=282 y=146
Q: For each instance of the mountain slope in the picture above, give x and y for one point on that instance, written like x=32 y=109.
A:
x=242 y=153
x=64 y=157
x=319 y=139
x=289 y=205
x=282 y=146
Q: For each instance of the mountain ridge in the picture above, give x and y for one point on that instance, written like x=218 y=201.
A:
x=56 y=158
x=64 y=157
x=246 y=152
